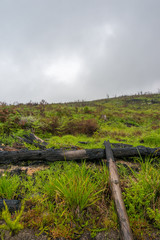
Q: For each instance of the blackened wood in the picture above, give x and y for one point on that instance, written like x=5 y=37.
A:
x=13 y=205
x=31 y=137
x=33 y=140
x=121 y=145
x=51 y=155
x=114 y=181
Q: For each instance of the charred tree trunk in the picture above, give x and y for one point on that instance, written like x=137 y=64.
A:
x=125 y=230
x=13 y=205
x=33 y=140
x=52 y=155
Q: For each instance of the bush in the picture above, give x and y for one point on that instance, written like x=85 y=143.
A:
x=50 y=125
x=87 y=127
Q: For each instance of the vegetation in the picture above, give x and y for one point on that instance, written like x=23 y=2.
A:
x=142 y=197
x=129 y=119
x=12 y=225
x=61 y=200
x=71 y=198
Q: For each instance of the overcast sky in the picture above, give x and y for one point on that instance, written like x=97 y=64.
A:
x=68 y=50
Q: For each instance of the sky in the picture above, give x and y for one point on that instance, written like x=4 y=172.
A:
x=69 y=50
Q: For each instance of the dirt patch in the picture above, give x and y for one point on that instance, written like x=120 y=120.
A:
x=29 y=170
x=28 y=234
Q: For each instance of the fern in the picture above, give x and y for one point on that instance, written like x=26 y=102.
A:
x=13 y=226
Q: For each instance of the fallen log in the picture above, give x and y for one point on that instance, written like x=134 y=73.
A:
x=114 y=181
x=13 y=205
x=52 y=155
x=32 y=139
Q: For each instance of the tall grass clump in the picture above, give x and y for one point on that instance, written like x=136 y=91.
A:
x=67 y=199
x=142 y=197
x=78 y=186
x=9 y=186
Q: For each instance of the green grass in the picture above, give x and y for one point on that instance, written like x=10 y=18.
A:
x=76 y=187
x=9 y=186
x=142 y=196
x=130 y=119
x=61 y=196
x=69 y=198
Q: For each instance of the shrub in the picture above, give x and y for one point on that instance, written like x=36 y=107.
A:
x=3 y=116
x=87 y=127
x=87 y=110
x=50 y=124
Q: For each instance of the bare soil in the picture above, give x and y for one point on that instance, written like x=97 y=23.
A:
x=28 y=234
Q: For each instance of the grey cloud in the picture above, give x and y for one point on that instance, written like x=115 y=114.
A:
x=116 y=42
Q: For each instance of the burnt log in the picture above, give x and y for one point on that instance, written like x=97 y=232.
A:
x=13 y=205
x=32 y=139
x=114 y=182
x=52 y=155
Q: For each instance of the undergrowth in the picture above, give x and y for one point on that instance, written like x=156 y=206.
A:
x=11 y=225
x=66 y=199
x=128 y=119
x=69 y=198
x=142 y=197
x=9 y=186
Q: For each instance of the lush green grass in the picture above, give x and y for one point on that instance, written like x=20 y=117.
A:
x=9 y=186
x=69 y=198
x=61 y=200
x=142 y=197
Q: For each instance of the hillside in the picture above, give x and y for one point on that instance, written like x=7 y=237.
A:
x=128 y=119
x=72 y=200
